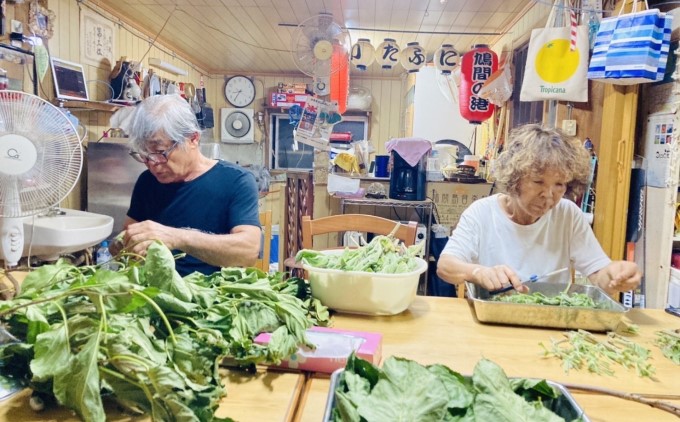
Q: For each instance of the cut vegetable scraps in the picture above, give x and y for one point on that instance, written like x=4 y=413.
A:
x=669 y=343
x=581 y=349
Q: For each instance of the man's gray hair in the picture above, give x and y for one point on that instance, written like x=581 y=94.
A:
x=163 y=114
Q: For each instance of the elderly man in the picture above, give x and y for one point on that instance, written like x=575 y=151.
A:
x=205 y=208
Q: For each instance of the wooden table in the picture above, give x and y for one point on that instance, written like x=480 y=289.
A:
x=264 y=396
x=444 y=330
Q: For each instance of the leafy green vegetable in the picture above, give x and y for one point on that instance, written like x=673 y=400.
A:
x=148 y=337
x=404 y=390
x=383 y=254
x=669 y=343
x=582 y=349
x=562 y=299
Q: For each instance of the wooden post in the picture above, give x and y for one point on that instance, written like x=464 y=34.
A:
x=613 y=175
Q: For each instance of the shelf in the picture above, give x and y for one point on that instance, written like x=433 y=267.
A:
x=272 y=109
x=387 y=202
x=88 y=105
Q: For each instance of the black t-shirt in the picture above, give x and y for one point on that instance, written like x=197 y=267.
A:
x=222 y=198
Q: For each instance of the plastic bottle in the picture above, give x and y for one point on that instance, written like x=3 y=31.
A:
x=103 y=256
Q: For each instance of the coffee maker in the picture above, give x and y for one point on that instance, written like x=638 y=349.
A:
x=407 y=182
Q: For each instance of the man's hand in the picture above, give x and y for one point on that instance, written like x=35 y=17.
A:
x=139 y=236
x=117 y=244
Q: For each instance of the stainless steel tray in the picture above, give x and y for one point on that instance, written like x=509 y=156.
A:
x=564 y=406
x=605 y=318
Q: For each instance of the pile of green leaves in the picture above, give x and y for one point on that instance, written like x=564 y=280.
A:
x=669 y=343
x=146 y=336
x=581 y=349
x=404 y=390
x=383 y=254
x=562 y=299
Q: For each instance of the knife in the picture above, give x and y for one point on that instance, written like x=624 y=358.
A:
x=534 y=278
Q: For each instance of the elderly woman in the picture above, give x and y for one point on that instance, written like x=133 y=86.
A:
x=203 y=207
x=532 y=228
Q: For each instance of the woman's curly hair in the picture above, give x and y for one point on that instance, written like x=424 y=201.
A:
x=532 y=149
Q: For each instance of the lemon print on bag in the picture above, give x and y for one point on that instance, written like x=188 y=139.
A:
x=555 y=62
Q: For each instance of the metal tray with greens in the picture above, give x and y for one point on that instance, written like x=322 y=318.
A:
x=405 y=390
x=604 y=315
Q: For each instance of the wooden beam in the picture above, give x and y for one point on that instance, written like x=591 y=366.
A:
x=613 y=174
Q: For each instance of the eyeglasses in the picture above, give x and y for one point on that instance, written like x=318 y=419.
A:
x=153 y=157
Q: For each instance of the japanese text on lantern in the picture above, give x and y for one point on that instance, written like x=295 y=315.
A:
x=481 y=70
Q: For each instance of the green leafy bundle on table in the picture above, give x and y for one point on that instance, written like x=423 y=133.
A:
x=148 y=337
x=383 y=254
x=404 y=390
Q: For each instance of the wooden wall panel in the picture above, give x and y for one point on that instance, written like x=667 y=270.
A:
x=387 y=93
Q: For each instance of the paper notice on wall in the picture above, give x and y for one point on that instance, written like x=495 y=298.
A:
x=659 y=146
x=316 y=123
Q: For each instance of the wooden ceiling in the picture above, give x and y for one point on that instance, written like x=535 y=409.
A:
x=256 y=36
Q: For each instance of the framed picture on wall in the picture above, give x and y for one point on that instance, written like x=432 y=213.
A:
x=41 y=21
x=97 y=40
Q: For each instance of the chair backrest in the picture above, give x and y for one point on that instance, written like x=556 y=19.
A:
x=266 y=223
x=356 y=222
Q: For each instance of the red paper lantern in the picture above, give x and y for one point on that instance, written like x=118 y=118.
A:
x=475 y=68
x=340 y=78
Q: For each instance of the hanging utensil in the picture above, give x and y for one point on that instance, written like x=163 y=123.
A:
x=533 y=279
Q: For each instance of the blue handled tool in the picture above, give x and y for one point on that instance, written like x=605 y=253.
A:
x=534 y=278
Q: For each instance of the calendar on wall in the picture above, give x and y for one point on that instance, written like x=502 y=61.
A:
x=97 y=40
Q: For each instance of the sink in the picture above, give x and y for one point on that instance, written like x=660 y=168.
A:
x=52 y=235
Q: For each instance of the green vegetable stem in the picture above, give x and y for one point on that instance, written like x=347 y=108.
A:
x=383 y=254
x=583 y=350
x=669 y=343
x=145 y=336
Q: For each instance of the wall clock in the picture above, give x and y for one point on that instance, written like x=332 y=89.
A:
x=239 y=91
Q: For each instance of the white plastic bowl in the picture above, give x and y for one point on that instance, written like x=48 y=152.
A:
x=362 y=292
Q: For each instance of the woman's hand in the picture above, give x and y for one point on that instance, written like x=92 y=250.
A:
x=618 y=276
x=496 y=277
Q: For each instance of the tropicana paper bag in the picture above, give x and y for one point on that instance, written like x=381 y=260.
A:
x=557 y=63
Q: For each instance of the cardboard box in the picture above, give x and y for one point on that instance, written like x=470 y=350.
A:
x=451 y=199
x=282 y=99
x=333 y=347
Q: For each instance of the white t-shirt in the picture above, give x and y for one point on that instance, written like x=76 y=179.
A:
x=486 y=235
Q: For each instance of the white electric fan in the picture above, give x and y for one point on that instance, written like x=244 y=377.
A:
x=40 y=162
x=312 y=46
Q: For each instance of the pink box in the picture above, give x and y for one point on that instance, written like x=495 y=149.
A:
x=333 y=347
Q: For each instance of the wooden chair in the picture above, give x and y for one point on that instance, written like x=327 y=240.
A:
x=266 y=223
x=356 y=222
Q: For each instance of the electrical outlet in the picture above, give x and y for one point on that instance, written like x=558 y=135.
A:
x=569 y=127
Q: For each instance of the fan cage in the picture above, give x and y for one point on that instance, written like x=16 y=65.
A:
x=59 y=155
x=311 y=31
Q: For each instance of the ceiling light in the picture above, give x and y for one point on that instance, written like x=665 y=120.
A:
x=168 y=67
